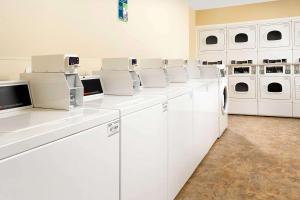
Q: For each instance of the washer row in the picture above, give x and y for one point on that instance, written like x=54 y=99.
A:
x=62 y=138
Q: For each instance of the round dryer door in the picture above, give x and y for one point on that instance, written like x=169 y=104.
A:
x=224 y=100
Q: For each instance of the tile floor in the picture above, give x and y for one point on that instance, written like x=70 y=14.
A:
x=256 y=158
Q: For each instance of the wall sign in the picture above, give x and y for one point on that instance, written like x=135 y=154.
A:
x=123 y=10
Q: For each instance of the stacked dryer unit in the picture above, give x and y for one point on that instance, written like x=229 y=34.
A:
x=242 y=68
x=296 y=62
x=275 y=78
x=212 y=45
x=212 y=54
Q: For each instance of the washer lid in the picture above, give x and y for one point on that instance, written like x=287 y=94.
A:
x=193 y=83
x=125 y=104
x=27 y=129
x=169 y=92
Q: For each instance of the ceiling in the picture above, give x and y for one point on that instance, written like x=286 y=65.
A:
x=208 y=4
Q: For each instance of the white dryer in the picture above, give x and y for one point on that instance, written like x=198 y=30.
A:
x=296 y=33
x=275 y=34
x=212 y=38
x=296 y=84
x=242 y=83
x=56 y=154
x=218 y=73
x=275 y=88
x=242 y=37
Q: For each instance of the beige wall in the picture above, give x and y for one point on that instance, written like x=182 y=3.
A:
x=90 y=29
x=193 y=35
x=268 y=10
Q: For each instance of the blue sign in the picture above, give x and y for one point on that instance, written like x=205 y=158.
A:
x=123 y=10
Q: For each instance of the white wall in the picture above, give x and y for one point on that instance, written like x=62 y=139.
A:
x=91 y=29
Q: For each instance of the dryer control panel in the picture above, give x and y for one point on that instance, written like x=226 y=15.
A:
x=220 y=62
x=241 y=67
x=277 y=66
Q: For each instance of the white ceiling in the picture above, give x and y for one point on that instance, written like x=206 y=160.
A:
x=208 y=4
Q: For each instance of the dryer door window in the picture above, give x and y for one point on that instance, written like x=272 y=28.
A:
x=210 y=40
x=241 y=87
x=241 y=38
x=274 y=87
x=274 y=35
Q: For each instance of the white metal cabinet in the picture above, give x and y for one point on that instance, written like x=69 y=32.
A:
x=296 y=25
x=80 y=167
x=144 y=154
x=211 y=39
x=180 y=143
x=275 y=35
x=206 y=110
x=241 y=37
x=297 y=88
x=277 y=88
x=242 y=87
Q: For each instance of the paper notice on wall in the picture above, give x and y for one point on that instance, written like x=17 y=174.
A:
x=123 y=10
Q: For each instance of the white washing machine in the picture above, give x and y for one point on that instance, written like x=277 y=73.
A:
x=143 y=128
x=56 y=154
x=296 y=84
x=218 y=73
x=223 y=98
x=205 y=111
x=180 y=135
x=242 y=83
x=275 y=83
x=181 y=162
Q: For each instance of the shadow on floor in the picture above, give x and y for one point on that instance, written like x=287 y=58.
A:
x=257 y=158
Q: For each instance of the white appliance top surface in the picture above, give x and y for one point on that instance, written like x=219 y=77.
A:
x=194 y=83
x=26 y=129
x=125 y=104
x=169 y=92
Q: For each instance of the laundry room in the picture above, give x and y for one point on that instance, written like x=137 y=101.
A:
x=150 y=100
